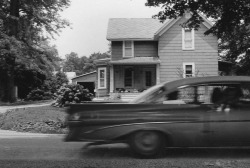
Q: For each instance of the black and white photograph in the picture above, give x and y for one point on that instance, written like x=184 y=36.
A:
x=124 y=83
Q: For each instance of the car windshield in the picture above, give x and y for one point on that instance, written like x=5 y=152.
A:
x=150 y=95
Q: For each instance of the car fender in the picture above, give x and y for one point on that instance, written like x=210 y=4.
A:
x=122 y=131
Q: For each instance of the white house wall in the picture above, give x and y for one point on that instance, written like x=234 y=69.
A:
x=205 y=54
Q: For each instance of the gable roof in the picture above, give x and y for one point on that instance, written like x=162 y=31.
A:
x=141 y=28
x=132 y=28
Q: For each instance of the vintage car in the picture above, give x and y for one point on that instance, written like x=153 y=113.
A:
x=191 y=112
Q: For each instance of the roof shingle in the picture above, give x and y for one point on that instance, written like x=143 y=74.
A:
x=132 y=28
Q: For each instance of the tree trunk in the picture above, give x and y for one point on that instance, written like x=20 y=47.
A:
x=9 y=95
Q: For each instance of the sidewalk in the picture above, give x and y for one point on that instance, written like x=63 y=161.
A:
x=6 y=134
x=3 y=109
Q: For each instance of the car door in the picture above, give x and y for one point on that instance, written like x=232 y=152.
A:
x=192 y=128
x=230 y=123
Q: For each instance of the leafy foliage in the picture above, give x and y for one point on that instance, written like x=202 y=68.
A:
x=83 y=64
x=73 y=93
x=25 y=27
x=39 y=94
x=50 y=86
x=54 y=82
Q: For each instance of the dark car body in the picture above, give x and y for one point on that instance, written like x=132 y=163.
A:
x=191 y=112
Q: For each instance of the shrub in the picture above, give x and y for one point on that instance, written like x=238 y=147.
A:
x=73 y=93
x=39 y=94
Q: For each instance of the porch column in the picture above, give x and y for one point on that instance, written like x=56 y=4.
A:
x=111 y=79
x=158 y=74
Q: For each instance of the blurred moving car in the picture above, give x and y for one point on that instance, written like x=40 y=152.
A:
x=191 y=112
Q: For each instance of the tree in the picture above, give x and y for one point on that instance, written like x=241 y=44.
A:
x=72 y=63
x=231 y=22
x=23 y=24
x=91 y=66
x=83 y=64
x=54 y=82
x=35 y=76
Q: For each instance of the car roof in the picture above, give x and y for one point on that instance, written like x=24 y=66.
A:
x=206 y=80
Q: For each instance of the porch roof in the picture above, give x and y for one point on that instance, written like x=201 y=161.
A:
x=137 y=60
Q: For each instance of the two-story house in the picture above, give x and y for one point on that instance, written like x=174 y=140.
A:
x=146 y=52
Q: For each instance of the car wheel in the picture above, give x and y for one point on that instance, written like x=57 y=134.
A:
x=147 y=143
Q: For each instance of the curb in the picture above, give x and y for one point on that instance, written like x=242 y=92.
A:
x=7 y=134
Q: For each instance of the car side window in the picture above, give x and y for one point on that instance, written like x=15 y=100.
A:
x=201 y=94
x=214 y=94
x=186 y=95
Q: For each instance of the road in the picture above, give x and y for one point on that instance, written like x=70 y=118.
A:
x=51 y=151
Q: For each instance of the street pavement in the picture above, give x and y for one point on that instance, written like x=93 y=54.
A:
x=53 y=152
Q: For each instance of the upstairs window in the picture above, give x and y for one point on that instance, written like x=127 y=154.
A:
x=188 y=70
x=187 y=39
x=128 y=49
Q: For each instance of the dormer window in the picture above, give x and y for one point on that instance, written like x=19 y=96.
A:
x=128 y=49
x=187 y=39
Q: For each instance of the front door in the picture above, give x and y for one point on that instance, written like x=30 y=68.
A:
x=149 y=77
x=129 y=77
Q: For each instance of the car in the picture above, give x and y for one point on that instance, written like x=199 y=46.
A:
x=192 y=112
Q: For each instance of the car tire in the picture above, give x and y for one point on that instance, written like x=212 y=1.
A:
x=147 y=143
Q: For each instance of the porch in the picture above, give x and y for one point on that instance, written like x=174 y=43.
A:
x=134 y=75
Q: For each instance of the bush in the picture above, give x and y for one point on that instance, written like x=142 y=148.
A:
x=39 y=94
x=73 y=93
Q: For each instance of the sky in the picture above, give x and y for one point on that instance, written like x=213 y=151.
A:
x=89 y=22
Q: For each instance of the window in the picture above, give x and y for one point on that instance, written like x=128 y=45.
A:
x=128 y=49
x=128 y=77
x=187 y=39
x=188 y=70
x=101 y=78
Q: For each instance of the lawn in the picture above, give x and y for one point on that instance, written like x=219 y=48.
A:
x=45 y=119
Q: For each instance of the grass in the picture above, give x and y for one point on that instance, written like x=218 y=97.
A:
x=45 y=119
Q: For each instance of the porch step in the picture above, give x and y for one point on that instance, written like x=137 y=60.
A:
x=128 y=96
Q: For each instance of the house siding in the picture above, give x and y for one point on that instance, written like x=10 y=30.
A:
x=146 y=48
x=116 y=48
x=205 y=54
x=141 y=49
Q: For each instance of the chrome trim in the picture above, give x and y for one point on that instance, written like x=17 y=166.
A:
x=88 y=132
